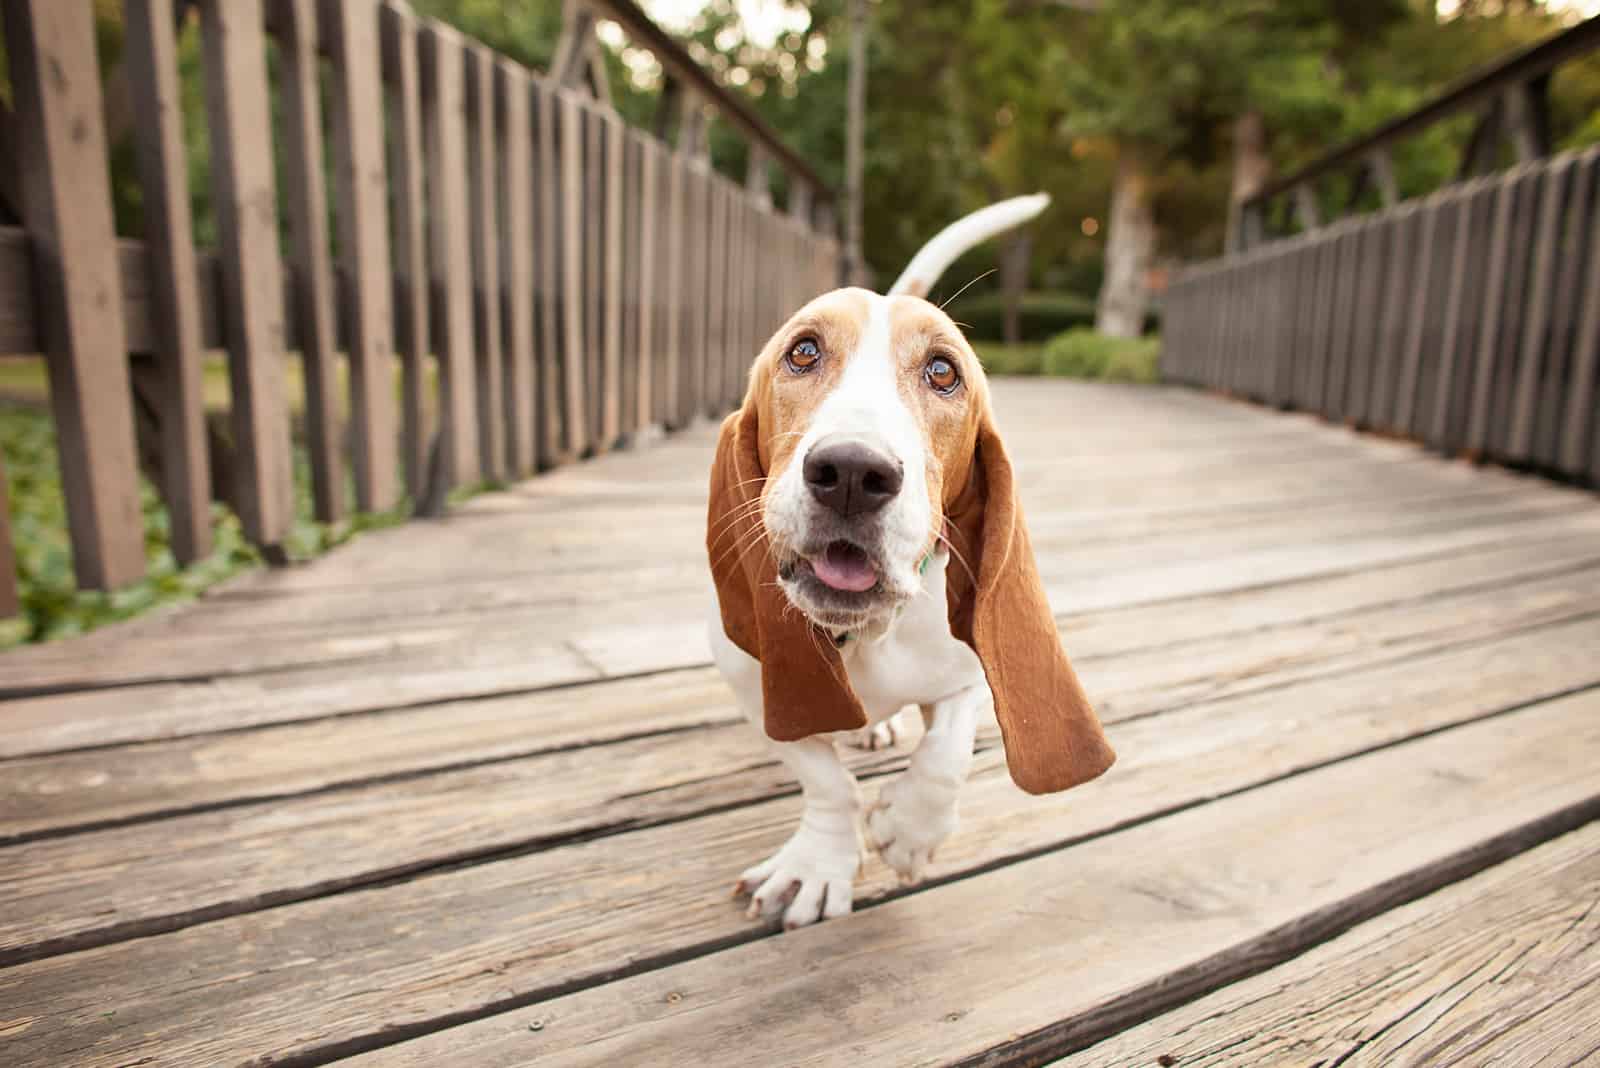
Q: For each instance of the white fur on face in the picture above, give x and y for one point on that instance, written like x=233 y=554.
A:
x=866 y=403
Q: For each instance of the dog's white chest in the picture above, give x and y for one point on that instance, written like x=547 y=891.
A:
x=917 y=661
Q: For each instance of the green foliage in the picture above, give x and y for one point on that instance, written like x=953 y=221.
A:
x=1082 y=353
x=52 y=605
x=1042 y=315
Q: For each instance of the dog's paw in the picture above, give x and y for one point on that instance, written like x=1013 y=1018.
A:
x=881 y=735
x=811 y=878
x=907 y=823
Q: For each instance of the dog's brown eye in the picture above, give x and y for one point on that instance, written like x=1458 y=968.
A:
x=942 y=375
x=803 y=356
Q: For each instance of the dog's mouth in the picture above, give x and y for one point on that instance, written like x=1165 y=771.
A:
x=843 y=566
x=841 y=584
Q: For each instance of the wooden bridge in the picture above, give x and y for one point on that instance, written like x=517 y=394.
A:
x=466 y=790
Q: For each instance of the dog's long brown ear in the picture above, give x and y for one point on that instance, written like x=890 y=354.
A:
x=804 y=687
x=1052 y=737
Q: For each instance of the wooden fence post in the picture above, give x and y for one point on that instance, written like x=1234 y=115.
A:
x=312 y=295
x=363 y=185
x=152 y=53
x=252 y=277
x=67 y=207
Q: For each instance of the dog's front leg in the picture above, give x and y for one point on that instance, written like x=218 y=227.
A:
x=820 y=860
x=917 y=811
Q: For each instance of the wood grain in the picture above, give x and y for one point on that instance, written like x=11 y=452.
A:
x=1139 y=920
x=1503 y=968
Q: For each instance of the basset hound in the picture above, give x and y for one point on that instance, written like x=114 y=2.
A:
x=869 y=553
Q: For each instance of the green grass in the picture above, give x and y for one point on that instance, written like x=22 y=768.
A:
x=53 y=606
x=1077 y=353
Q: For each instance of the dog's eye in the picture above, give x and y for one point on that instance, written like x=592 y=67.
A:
x=942 y=375
x=803 y=355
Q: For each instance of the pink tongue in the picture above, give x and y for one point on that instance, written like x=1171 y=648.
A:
x=845 y=568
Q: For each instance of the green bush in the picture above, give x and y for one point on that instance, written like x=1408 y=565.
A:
x=999 y=358
x=1043 y=315
x=1082 y=353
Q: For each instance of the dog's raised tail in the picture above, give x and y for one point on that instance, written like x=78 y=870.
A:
x=920 y=275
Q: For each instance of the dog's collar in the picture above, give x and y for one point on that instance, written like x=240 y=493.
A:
x=842 y=639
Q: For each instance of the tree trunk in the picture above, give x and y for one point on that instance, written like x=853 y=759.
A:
x=1130 y=245
x=1014 y=257
x=1251 y=169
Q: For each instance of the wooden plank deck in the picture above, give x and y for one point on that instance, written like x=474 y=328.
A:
x=467 y=791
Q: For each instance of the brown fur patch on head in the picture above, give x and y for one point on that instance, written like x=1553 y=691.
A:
x=786 y=401
x=919 y=331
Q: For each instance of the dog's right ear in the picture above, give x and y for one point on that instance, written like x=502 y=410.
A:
x=804 y=687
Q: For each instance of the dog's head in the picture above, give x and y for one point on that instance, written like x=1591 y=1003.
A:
x=865 y=443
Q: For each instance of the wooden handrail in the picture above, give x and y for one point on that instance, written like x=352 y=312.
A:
x=680 y=65
x=1473 y=91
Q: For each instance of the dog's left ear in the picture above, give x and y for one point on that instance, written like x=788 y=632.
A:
x=1053 y=739
x=804 y=688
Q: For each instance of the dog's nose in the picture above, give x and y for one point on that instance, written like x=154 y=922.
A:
x=851 y=477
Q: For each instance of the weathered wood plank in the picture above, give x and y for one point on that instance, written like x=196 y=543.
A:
x=1443 y=637
x=1580 y=438
x=1576 y=249
x=450 y=254
x=312 y=285
x=363 y=186
x=676 y=292
x=417 y=964
x=1144 y=919
x=67 y=204
x=413 y=337
x=1499 y=968
x=595 y=322
x=517 y=252
x=483 y=172
x=152 y=53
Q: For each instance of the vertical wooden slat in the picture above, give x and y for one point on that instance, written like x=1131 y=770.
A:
x=1319 y=337
x=312 y=289
x=695 y=293
x=1578 y=249
x=152 y=55
x=1340 y=351
x=245 y=191
x=363 y=185
x=1541 y=295
x=574 y=357
x=594 y=253
x=1417 y=319
x=674 y=294
x=1399 y=251
x=409 y=168
x=649 y=227
x=1371 y=274
x=716 y=266
x=480 y=62
x=610 y=129
x=1452 y=346
x=1477 y=437
x=516 y=133
x=1580 y=444
x=67 y=206
x=547 y=172
x=450 y=253
x=1529 y=194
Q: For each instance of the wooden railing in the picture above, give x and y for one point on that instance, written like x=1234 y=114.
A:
x=1468 y=319
x=541 y=281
